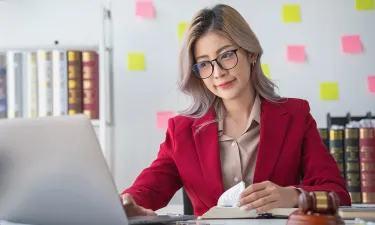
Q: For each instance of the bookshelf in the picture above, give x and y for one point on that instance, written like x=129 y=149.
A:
x=350 y=139
x=344 y=120
x=36 y=81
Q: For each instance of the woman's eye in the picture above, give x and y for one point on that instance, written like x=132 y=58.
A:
x=202 y=64
x=227 y=55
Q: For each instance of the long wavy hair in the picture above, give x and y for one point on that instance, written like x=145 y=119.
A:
x=228 y=22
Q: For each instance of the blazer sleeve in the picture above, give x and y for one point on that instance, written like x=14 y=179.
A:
x=319 y=169
x=156 y=185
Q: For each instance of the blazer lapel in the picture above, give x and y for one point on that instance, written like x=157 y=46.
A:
x=274 y=126
x=206 y=141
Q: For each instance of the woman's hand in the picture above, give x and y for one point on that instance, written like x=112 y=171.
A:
x=132 y=209
x=266 y=196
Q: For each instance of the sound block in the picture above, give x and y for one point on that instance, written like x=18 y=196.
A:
x=300 y=218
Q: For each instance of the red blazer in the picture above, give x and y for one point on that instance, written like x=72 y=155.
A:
x=291 y=153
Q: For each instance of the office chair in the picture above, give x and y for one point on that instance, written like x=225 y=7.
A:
x=188 y=206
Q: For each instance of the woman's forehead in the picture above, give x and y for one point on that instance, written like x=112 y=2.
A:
x=210 y=43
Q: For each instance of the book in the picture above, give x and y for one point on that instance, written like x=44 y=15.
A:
x=32 y=84
x=75 y=92
x=352 y=212
x=336 y=146
x=60 y=83
x=323 y=132
x=90 y=87
x=352 y=170
x=227 y=208
x=45 y=79
x=367 y=160
x=3 y=85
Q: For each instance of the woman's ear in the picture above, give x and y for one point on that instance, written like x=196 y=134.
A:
x=251 y=57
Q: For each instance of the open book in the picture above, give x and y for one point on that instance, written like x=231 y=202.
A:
x=227 y=207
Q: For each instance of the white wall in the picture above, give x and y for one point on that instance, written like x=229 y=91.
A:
x=139 y=95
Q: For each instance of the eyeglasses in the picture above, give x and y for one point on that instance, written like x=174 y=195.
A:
x=226 y=61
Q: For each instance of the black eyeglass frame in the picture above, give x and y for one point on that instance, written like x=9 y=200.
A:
x=218 y=63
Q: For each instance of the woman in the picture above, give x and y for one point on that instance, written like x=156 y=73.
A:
x=236 y=129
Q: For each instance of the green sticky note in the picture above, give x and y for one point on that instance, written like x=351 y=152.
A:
x=364 y=5
x=181 y=30
x=291 y=13
x=329 y=91
x=266 y=70
x=136 y=61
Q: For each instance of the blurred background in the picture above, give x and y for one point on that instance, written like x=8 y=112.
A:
x=117 y=62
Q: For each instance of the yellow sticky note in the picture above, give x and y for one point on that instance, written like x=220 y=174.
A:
x=266 y=70
x=181 y=30
x=291 y=13
x=364 y=5
x=136 y=61
x=329 y=91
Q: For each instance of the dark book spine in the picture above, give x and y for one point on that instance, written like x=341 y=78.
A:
x=367 y=159
x=336 y=147
x=3 y=87
x=75 y=105
x=352 y=166
x=324 y=135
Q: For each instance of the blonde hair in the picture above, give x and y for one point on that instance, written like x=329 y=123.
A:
x=228 y=22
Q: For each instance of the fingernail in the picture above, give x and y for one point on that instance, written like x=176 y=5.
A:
x=253 y=211
x=237 y=204
x=124 y=202
x=243 y=208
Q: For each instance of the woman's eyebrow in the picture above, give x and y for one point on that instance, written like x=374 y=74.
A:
x=217 y=51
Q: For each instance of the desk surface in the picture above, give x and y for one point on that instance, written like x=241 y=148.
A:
x=247 y=222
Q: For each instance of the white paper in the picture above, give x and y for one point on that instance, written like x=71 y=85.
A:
x=231 y=197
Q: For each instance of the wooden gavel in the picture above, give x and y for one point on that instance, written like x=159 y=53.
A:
x=317 y=207
x=319 y=203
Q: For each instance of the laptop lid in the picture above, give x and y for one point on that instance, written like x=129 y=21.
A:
x=52 y=171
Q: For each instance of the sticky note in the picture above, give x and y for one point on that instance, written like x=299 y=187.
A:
x=364 y=5
x=329 y=91
x=162 y=118
x=144 y=9
x=291 y=13
x=136 y=61
x=351 y=44
x=266 y=70
x=296 y=53
x=371 y=83
x=181 y=30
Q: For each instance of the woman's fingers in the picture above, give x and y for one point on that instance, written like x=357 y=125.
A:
x=148 y=212
x=261 y=202
x=127 y=199
x=254 y=188
x=132 y=209
x=253 y=197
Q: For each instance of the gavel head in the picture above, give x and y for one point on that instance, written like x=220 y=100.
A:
x=319 y=202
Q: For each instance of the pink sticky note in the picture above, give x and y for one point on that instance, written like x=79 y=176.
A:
x=162 y=118
x=144 y=9
x=296 y=53
x=351 y=44
x=371 y=83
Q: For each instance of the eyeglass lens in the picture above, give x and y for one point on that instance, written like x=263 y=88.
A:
x=226 y=61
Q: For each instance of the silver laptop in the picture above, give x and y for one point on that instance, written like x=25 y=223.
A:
x=52 y=172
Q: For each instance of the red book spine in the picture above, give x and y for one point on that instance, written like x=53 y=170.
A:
x=90 y=84
x=367 y=160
